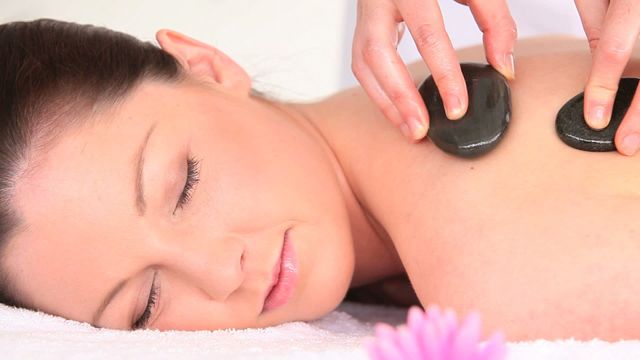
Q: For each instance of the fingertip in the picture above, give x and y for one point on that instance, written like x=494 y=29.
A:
x=456 y=114
x=505 y=65
x=414 y=129
x=509 y=67
x=598 y=104
x=629 y=144
x=421 y=133
x=456 y=108
x=596 y=117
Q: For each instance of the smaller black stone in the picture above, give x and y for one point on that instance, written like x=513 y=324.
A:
x=574 y=131
x=487 y=117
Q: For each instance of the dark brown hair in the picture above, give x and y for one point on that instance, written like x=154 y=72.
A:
x=51 y=72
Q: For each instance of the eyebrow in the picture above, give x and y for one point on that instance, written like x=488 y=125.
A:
x=140 y=206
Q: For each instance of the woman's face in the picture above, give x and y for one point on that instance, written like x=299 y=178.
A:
x=212 y=253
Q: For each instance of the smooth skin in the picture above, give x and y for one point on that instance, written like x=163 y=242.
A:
x=540 y=238
x=213 y=258
x=612 y=28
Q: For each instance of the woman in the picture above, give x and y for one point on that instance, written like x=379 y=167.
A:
x=148 y=188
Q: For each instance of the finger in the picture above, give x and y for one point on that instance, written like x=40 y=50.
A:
x=382 y=101
x=384 y=76
x=592 y=14
x=366 y=78
x=499 y=33
x=628 y=134
x=620 y=32
x=424 y=20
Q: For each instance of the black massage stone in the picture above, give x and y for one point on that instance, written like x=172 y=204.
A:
x=574 y=131
x=487 y=117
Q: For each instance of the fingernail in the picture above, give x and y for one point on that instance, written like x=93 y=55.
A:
x=630 y=144
x=418 y=130
x=455 y=110
x=404 y=128
x=510 y=66
x=597 y=119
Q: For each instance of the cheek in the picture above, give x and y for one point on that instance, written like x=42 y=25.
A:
x=264 y=172
x=261 y=174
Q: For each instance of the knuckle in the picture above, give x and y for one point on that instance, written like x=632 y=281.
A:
x=395 y=95
x=428 y=36
x=509 y=27
x=593 y=43
x=446 y=80
x=506 y=25
x=371 y=50
x=357 y=67
x=614 y=51
x=603 y=88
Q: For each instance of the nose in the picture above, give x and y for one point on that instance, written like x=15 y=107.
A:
x=212 y=265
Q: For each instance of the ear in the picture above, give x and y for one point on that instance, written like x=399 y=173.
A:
x=203 y=60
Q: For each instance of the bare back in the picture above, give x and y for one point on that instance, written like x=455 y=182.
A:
x=541 y=238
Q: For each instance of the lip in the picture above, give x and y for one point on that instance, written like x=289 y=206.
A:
x=285 y=276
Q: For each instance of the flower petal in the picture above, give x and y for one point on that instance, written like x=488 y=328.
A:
x=431 y=343
x=494 y=349
x=388 y=350
x=415 y=318
x=408 y=344
x=465 y=342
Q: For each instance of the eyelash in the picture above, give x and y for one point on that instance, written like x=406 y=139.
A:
x=143 y=320
x=193 y=173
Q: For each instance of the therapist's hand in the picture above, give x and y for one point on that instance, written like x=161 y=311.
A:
x=382 y=73
x=612 y=28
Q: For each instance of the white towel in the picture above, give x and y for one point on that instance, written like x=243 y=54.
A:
x=339 y=335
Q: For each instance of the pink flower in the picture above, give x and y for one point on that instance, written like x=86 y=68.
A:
x=433 y=335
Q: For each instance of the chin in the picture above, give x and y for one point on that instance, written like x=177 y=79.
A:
x=328 y=307
x=330 y=291
x=318 y=309
x=326 y=263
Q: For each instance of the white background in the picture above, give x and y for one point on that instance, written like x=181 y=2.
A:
x=297 y=49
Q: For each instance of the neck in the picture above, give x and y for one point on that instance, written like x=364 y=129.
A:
x=375 y=254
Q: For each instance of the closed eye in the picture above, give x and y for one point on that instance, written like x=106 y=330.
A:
x=193 y=173
x=143 y=319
